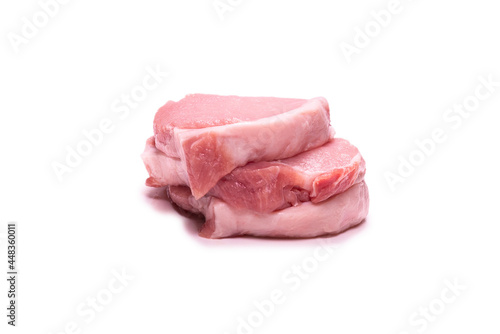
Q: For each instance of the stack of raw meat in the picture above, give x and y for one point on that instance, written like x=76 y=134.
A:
x=259 y=166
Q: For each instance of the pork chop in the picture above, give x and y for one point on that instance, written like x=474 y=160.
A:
x=211 y=135
x=266 y=186
x=308 y=219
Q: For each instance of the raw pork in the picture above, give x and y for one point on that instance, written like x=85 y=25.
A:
x=308 y=219
x=313 y=175
x=212 y=135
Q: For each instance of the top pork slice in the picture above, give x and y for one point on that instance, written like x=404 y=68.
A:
x=212 y=134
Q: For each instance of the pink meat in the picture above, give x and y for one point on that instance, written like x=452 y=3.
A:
x=212 y=135
x=314 y=175
x=308 y=219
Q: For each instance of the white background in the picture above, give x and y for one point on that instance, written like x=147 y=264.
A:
x=441 y=224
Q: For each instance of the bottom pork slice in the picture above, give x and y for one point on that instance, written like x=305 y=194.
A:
x=308 y=219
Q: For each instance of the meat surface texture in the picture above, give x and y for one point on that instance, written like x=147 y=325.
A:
x=308 y=219
x=314 y=176
x=211 y=135
x=162 y=170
